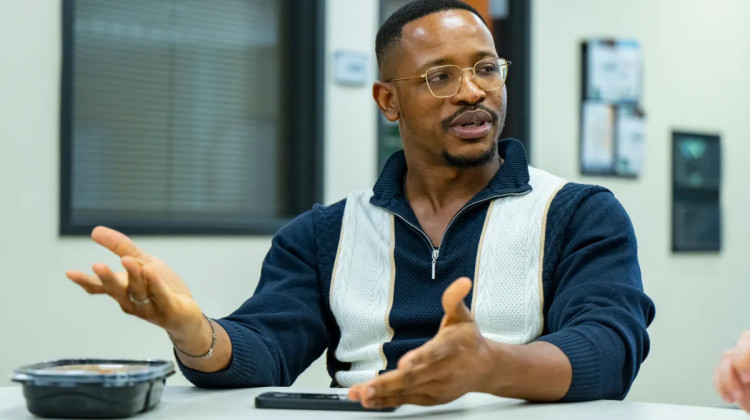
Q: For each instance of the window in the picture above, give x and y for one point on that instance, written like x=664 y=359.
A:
x=190 y=116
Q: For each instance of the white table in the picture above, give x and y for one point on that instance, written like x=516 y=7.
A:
x=185 y=402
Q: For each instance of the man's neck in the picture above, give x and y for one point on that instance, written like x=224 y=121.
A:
x=440 y=187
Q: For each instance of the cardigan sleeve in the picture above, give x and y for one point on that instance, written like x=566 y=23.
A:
x=278 y=332
x=597 y=311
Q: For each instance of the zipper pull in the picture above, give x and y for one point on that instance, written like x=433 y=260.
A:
x=435 y=253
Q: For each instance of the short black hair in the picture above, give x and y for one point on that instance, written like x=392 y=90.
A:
x=390 y=31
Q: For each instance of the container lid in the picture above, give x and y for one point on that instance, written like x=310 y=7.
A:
x=107 y=372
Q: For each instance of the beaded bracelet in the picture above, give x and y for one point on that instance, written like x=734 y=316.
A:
x=206 y=355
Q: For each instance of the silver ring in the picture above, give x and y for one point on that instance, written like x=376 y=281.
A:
x=138 y=302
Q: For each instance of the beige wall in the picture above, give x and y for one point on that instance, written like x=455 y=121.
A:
x=696 y=65
x=44 y=316
x=696 y=61
x=351 y=116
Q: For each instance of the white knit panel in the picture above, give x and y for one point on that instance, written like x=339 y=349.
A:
x=361 y=288
x=508 y=303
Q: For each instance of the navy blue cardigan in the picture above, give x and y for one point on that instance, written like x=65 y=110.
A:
x=594 y=310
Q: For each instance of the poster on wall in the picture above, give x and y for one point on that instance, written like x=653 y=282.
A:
x=597 y=145
x=630 y=133
x=613 y=125
x=614 y=70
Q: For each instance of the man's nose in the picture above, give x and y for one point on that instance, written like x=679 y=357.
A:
x=468 y=90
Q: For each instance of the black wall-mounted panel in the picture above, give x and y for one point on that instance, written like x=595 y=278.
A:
x=696 y=191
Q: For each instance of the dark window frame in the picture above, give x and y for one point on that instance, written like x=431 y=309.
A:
x=303 y=130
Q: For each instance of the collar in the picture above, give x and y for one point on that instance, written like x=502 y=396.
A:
x=512 y=178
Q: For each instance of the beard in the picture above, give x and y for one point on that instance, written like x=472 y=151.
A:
x=459 y=161
x=463 y=161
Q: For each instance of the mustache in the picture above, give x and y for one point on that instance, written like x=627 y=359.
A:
x=446 y=123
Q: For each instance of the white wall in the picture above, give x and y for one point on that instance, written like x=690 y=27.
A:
x=695 y=54
x=696 y=65
x=45 y=316
x=351 y=114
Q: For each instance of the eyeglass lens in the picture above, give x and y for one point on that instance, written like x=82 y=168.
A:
x=446 y=80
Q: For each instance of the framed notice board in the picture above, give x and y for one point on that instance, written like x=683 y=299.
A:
x=613 y=124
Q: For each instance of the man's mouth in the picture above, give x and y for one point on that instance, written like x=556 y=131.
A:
x=471 y=124
x=472 y=118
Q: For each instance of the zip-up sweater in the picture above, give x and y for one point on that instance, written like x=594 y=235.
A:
x=550 y=260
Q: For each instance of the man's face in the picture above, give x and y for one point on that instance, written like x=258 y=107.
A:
x=460 y=130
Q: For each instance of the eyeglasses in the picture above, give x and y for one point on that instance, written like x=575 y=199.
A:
x=445 y=81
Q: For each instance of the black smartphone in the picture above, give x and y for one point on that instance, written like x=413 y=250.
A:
x=301 y=401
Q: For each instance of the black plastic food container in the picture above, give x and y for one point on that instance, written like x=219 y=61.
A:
x=93 y=388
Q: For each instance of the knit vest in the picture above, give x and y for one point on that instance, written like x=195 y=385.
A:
x=507 y=298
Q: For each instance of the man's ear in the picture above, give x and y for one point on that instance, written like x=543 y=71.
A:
x=386 y=99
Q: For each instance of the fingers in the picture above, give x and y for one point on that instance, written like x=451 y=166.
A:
x=739 y=361
x=394 y=382
x=116 y=242
x=415 y=369
x=148 y=288
x=726 y=380
x=719 y=374
x=428 y=354
x=388 y=383
x=397 y=400
x=732 y=375
x=424 y=368
x=453 y=302
x=143 y=289
x=114 y=285
x=431 y=393
x=91 y=284
x=150 y=282
x=137 y=286
x=105 y=281
x=741 y=358
x=744 y=402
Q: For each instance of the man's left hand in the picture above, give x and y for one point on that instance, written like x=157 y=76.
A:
x=454 y=362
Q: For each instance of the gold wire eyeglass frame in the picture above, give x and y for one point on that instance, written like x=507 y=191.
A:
x=460 y=78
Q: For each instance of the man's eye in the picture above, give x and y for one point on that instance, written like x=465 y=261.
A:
x=438 y=77
x=487 y=69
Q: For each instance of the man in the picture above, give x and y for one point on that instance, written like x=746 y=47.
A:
x=554 y=310
x=732 y=375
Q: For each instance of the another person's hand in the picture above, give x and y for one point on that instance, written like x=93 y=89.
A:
x=732 y=375
x=148 y=289
x=453 y=363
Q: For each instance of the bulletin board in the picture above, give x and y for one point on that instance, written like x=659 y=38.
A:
x=613 y=125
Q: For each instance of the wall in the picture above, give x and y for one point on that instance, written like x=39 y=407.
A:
x=44 y=315
x=351 y=114
x=696 y=62
x=695 y=54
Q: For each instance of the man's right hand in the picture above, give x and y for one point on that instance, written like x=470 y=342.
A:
x=148 y=289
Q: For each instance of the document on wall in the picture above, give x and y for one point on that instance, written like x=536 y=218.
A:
x=612 y=123
x=597 y=147
x=631 y=132
x=613 y=70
